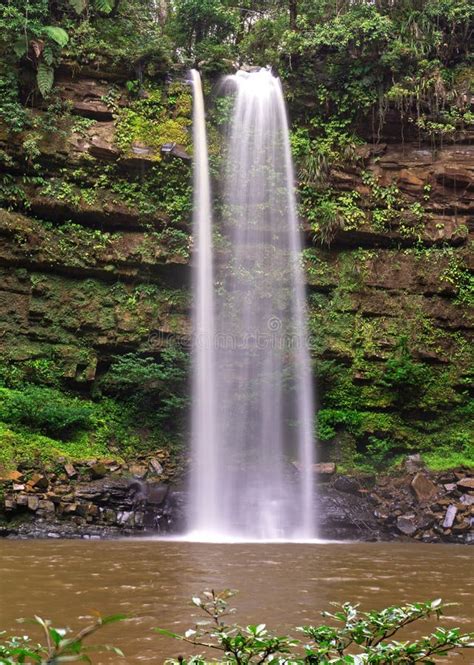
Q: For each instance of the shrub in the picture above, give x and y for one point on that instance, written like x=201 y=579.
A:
x=356 y=638
x=45 y=409
x=156 y=386
x=61 y=644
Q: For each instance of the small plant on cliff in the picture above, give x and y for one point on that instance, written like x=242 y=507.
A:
x=354 y=638
x=406 y=379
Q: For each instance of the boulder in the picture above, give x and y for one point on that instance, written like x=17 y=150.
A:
x=33 y=503
x=38 y=481
x=70 y=470
x=10 y=475
x=46 y=506
x=407 y=525
x=138 y=471
x=324 y=468
x=98 y=470
x=466 y=483
x=155 y=466
x=423 y=487
x=449 y=517
x=347 y=484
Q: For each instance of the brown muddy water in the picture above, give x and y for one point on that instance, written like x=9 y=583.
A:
x=283 y=585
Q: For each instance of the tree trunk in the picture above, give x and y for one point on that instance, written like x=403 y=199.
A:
x=293 y=13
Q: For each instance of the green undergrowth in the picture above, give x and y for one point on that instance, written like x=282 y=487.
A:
x=138 y=404
x=38 y=424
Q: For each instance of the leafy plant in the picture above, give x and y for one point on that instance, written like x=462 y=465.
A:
x=408 y=380
x=45 y=409
x=355 y=638
x=61 y=645
x=158 y=387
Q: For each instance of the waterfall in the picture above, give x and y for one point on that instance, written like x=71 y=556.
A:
x=252 y=428
x=204 y=485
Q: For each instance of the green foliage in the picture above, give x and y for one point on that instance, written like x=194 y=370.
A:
x=158 y=388
x=406 y=379
x=204 y=28
x=329 y=213
x=45 y=78
x=458 y=274
x=353 y=637
x=60 y=645
x=153 y=120
x=45 y=410
x=57 y=34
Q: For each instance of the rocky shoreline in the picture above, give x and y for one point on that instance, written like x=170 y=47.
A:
x=96 y=500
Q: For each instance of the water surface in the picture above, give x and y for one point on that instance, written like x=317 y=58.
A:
x=280 y=584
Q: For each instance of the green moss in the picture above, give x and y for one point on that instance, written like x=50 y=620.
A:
x=155 y=120
x=442 y=459
x=23 y=446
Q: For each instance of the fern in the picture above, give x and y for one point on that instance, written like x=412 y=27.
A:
x=57 y=34
x=104 y=6
x=44 y=78
x=48 y=55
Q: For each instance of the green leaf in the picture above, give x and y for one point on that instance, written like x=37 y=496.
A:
x=48 y=55
x=104 y=6
x=57 y=34
x=168 y=633
x=20 y=47
x=44 y=78
x=113 y=618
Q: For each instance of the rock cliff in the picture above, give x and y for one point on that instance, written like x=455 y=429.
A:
x=95 y=260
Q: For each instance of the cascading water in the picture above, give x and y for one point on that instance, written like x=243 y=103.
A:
x=253 y=448
x=204 y=504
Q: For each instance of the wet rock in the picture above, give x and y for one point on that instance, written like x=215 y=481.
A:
x=98 y=470
x=461 y=527
x=155 y=467
x=38 y=481
x=450 y=487
x=423 y=487
x=11 y=475
x=466 y=483
x=449 y=517
x=126 y=518
x=406 y=524
x=346 y=484
x=138 y=471
x=139 y=519
x=46 y=506
x=110 y=516
x=70 y=471
x=157 y=493
x=324 y=468
x=33 y=503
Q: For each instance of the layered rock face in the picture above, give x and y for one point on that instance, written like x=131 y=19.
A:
x=95 y=259
x=93 y=256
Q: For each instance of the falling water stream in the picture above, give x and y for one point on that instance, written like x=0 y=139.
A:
x=252 y=398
